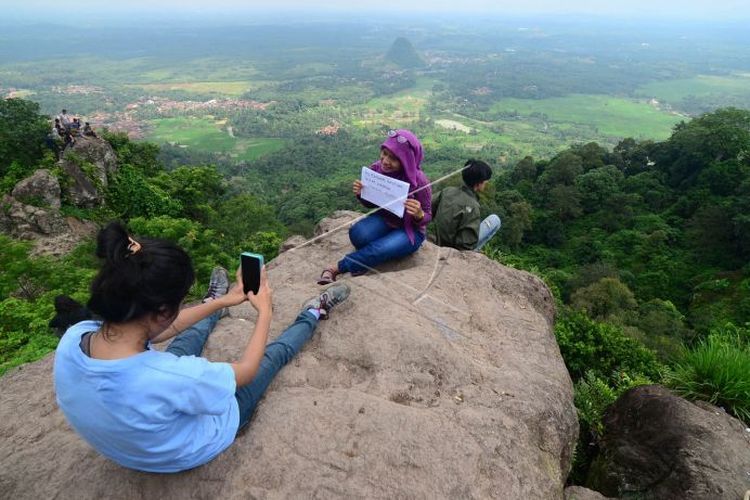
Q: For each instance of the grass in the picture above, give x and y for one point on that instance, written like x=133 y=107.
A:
x=699 y=86
x=205 y=134
x=606 y=115
x=717 y=371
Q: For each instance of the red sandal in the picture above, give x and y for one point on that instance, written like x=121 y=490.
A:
x=328 y=276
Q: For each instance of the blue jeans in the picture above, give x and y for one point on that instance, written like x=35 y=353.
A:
x=191 y=341
x=377 y=242
x=278 y=353
x=487 y=229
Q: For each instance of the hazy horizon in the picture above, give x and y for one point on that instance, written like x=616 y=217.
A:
x=665 y=11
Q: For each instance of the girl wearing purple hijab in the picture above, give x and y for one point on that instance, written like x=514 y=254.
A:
x=384 y=236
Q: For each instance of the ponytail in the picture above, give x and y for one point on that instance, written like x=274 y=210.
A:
x=138 y=277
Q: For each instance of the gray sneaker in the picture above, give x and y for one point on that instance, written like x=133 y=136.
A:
x=326 y=301
x=217 y=287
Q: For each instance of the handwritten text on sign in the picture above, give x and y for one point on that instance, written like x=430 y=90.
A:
x=386 y=192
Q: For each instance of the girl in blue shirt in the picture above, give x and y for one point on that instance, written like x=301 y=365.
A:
x=174 y=410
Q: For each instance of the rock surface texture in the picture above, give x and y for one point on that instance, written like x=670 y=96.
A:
x=659 y=445
x=42 y=187
x=28 y=222
x=439 y=378
x=89 y=163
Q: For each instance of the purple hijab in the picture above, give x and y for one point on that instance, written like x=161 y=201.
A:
x=410 y=155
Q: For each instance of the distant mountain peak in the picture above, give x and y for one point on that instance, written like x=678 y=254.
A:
x=403 y=54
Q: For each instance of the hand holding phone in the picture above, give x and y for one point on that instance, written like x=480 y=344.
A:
x=251 y=264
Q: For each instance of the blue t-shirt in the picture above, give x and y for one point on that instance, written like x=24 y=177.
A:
x=153 y=411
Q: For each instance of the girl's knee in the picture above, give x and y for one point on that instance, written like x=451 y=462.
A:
x=358 y=236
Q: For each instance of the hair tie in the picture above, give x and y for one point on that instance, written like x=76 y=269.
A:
x=133 y=247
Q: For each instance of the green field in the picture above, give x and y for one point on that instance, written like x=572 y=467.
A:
x=230 y=88
x=206 y=134
x=608 y=116
x=405 y=105
x=699 y=86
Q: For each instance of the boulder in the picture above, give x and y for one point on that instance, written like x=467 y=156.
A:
x=292 y=242
x=42 y=188
x=63 y=243
x=89 y=163
x=439 y=378
x=27 y=221
x=659 y=445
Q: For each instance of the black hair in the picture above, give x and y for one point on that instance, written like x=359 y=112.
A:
x=133 y=283
x=64 y=110
x=475 y=171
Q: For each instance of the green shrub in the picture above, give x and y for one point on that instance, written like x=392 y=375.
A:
x=265 y=243
x=24 y=335
x=717 y=370
x=28 y=286
x=131 y=194
x=602 y=348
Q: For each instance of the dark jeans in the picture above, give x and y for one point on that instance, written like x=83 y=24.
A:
x=191 y=341
x=377 y=242
x=278 y=353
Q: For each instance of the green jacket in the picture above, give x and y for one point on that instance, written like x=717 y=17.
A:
x=456 y=218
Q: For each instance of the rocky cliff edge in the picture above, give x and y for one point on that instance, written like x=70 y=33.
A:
x=440 y=378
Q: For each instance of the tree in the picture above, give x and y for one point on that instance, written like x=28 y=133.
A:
x=598 y=185
x=240 y=217
x=524 y=170
x=132 y=194
x=564 y=202
x=713 y=137
x=195 y=188
x=604 y=298
x=563 y=169
x=23 y=133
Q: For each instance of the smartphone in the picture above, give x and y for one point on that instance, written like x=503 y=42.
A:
x=251 y=264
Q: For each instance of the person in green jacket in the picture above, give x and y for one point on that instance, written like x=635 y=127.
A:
x=456 y=214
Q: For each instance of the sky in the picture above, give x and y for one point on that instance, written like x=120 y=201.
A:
x=690 y=9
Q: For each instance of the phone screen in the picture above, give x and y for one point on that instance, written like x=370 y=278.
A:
x=251 y=264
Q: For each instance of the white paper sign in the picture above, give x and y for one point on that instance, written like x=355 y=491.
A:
x=386 y=192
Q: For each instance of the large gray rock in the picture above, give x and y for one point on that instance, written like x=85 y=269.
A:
x=42 y=187
x=89 y=163
x=659 y=445
x=440 y=378
x=27 y=221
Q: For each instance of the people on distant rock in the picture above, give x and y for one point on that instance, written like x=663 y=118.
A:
x=456 y=211
x=54 y=139
x=384 y=236
x=174 y=410
x=65 y=119
x=88 y=131
x=75 y=126
x=68 y=139
x=58 y=127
